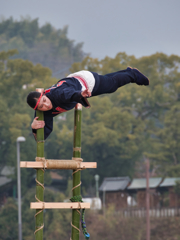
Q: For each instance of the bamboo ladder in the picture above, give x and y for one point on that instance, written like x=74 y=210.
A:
x=75 y=164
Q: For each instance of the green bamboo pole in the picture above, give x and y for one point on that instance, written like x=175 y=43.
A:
x=76 y=175
x=40 y=179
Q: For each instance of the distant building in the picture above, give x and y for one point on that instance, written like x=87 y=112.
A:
x=95 y=203
x=137 y=190
x=167 y=186
x=114 y=191
x=7 y=187
x=123 y=193
x=58 y=182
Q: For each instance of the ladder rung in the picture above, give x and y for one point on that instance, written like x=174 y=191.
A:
x=57 y=205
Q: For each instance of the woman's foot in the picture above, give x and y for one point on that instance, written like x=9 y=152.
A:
x=140 y=79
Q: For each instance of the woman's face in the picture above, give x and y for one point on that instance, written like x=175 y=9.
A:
x=44 y=104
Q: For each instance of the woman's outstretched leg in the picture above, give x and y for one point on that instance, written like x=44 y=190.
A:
x=111 y=82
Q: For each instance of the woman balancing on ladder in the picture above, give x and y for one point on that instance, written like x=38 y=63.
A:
x=76 y=88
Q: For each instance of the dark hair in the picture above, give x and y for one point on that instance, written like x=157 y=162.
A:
x=32 y=98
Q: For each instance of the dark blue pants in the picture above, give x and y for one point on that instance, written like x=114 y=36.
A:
x=111 y=82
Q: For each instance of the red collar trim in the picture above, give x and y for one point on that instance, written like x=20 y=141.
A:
x=38 y=101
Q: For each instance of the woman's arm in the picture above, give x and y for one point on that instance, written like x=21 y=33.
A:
x=36 y=124
x=47 y=124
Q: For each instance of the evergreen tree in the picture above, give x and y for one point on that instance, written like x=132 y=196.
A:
x=45 y=45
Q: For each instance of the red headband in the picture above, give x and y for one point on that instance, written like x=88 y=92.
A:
x=38 y=101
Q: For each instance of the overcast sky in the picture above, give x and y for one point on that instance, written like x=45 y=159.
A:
x=137 y=27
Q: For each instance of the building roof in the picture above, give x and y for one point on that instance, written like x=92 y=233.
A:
x=55 y=176
x=168 y=182
x=4 y=173
x=114 y=183
x=4 y=180
x=140 y=183
x=7 y=170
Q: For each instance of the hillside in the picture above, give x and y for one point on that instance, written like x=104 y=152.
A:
x=45 y=45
